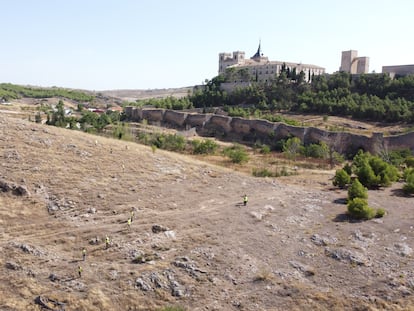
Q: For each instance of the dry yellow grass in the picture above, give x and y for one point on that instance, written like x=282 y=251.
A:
x=214 y=248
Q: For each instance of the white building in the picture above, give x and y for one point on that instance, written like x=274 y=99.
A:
x=259 y=68
x=398 y=70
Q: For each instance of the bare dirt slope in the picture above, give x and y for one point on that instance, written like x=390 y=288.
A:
x=291 y=248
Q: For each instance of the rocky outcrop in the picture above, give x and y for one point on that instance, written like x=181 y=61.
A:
x=257 y=130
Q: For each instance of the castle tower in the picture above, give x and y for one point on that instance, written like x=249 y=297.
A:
x=350 y=62
x=228 y=59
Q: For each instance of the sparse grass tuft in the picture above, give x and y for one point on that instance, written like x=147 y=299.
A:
x=263 y=275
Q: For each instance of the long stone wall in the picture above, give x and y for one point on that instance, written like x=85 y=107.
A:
x=266 y=132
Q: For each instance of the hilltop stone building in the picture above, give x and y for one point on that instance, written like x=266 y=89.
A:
x=350 y=62
x=259 y=68
x=401 y=70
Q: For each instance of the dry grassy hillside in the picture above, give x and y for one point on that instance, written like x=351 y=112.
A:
x=191 y=243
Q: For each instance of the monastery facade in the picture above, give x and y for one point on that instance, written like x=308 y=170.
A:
x=260 y=68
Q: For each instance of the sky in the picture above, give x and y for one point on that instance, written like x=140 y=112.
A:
x=156 y=44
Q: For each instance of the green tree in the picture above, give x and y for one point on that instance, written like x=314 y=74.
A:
x=409 y=185
x=58 y=116
x=292 y=147
x=237 y=154
x=357 y=190
x=341 y=178
x=207 y=146
x=358 y=208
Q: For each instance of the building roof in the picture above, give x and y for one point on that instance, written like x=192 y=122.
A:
x=252 y=63
x=258 y=53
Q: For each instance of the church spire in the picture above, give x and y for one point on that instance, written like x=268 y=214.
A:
x=259 y=51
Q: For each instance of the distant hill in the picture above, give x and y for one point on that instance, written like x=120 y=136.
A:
x=132 y=95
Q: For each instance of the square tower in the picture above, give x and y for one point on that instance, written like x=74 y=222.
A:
x=348 y=61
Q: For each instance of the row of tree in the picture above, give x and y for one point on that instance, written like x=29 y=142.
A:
x=374 y=97
x=11 y=91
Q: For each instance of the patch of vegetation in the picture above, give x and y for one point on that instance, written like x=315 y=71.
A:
x=264 y=172
x=169 y=102
x=408 y=188
x=143 y=258
x=358 y=208
x=372 y=171
x=11 y=91
x=237 y=154
x=371 y=97
x=206 y=146
x=357 y=190
x=263 y=275
x=341 y=178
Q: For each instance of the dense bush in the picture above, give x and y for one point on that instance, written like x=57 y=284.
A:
x=264 y=172
x=341 y=178
x=10 y=91
x=367 y=97
x=237 y=154
x=409 y=185
x=170 y=142
x=357 y=190
x=320 y=151
x=358 y=208
x=409 y=161
x=293 y=147
x=169 y=102
x=206 y=146
x=372 y=171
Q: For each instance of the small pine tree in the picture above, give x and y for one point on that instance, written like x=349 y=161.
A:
x=358 y=208
x=409 y=186
x=341 y=178
x=357 y=190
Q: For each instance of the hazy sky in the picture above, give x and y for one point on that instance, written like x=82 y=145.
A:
x=137 y=44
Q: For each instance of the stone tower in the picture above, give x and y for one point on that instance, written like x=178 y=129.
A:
x=228 y=59
x=350 y=62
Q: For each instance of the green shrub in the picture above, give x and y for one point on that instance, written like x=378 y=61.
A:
x=348 y=169
x=207 y=146
x=408 y=188
x=237 y=154
x=407 y=172
x=358 y=208
x=292 y=147
x=341 y=178
x=170 y=142
x=262 y=172
x=319 y=151
x=265 y=149
x=409 y=161
x=357 y=190
x=374 y=172
x=380 y=213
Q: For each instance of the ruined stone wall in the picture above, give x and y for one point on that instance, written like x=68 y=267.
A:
x=257 y=130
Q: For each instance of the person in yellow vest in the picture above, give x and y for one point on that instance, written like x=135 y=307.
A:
x=129 y=223
x=107 y=242
x=80 y=271
x=84 y=254
x=245 y=200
